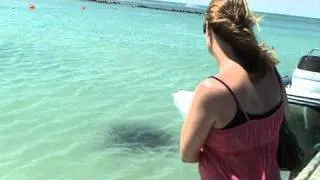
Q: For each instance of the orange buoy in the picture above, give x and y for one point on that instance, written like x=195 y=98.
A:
x=32 y=7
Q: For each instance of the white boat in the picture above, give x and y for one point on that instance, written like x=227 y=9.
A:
x=303 y=89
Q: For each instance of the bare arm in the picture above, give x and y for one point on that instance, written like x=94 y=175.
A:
x=198 y=123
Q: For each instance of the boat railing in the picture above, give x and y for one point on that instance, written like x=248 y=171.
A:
x=312 y=170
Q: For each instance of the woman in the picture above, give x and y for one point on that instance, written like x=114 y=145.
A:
x=232 y=127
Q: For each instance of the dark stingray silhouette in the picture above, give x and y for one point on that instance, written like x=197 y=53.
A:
x=140 y=137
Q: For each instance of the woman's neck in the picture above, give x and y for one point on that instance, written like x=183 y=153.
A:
x=224 y=55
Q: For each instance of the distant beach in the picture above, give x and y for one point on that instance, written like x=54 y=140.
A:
x=176 y=7
x=157 y=5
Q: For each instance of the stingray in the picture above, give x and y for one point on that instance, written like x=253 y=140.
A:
x=140 y=137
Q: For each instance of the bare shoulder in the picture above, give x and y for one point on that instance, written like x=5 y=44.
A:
x=211 y=98
x=210 y=91
x=210 y=85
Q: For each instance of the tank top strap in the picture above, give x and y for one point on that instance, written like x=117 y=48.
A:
x=280 y=81
x=234 y=97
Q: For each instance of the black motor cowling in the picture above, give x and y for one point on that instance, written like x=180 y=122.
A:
x=310 y=62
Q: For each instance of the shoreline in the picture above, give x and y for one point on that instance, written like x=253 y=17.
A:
x=161 y=6
x=182 y=8
x=164 y=9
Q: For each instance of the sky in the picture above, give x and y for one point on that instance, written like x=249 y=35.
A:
x=307 y=8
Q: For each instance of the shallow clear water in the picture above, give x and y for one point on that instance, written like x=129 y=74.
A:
x=87 y=94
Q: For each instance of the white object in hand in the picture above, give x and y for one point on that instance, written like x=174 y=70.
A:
x=182 y=100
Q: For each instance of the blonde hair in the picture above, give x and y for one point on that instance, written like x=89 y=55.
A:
x=233 y=22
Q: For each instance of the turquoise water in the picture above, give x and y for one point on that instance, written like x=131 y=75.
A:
x=87 y=94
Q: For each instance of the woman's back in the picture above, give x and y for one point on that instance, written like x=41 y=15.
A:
x=244 y=144
x=254 y=98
